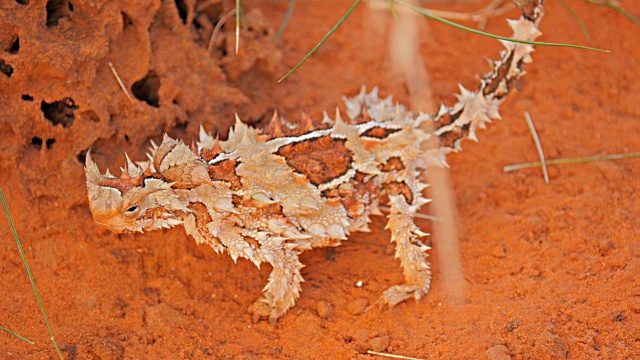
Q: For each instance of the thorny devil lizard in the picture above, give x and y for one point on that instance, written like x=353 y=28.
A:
x=267 y=195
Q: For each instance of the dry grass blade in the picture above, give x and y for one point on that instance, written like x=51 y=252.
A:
x=536 y=140
x=285 y=20
x=238 y=11
x=315 y=48
x=16 y=335
x=28 y=269
x=576 y=17
x=393 y=11
x=493 y=9
x=589 y=159
x=478 y=32
x=216 y=30
x=392 y=356
x=119 y=80
x=615 y=6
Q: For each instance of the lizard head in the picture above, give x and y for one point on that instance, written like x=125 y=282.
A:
x=134 y=202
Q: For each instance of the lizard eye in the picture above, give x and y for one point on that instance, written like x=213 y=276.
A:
x=132 y=210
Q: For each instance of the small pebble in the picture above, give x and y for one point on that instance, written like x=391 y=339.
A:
x=498 y=252
x=357 y=306
x=379 y=343
x=550 y=346
x=498 y=352
x=324 y=309
x=634 y=304
x=359 y=283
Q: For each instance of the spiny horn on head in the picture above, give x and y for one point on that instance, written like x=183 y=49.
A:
x=92 y=172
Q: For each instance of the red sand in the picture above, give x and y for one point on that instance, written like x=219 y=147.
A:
x=551 y=270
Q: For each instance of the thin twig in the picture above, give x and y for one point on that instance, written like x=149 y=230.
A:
x=536 y=140
x=216 y=30
x=124 y=88
x=393 y=356
x=509 y=168
x=26 y=266
x=418 y=215
x=16 y=335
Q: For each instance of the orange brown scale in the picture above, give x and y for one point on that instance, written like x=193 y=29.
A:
x=275 y=129
x=251 y=242
x=351 y=200
x=379 y=133
x=162 y=151
x=321 y=160
x=449 y=138
x=124 y=183
x=503 y=70
x=393 y=163
x=199 y=210
x=226 y=171
x=363 y=118
x=399 y=188
x=209 y=154
x=331 y=193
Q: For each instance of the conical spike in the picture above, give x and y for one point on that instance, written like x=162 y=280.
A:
x=125 y=171
x=147 y=171
x=326 y=119
x=338 y=117
x=308 y=123
x=216 y=146
x=277 y=127
x=92 y=171
x=365 y=115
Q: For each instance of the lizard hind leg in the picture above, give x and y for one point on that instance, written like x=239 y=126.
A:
x=411 y=252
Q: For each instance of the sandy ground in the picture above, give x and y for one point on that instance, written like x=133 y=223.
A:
x=550 y=270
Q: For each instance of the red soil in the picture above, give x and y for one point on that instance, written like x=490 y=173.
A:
x=550 y=270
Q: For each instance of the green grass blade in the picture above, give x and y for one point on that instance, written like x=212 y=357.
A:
x=571 y=161
x=478 y=32
x=616 y=7
x=238 y=11
x=285 y=20
x=16 y=335
x=576 y=17
x=393 y=11
x=26 y=266
x=346 y=15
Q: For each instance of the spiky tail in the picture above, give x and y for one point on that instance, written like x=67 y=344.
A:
x=474 y=109
x=450 y=125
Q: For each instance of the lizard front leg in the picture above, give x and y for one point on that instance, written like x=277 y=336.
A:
x=283 y=288
x=410 y=251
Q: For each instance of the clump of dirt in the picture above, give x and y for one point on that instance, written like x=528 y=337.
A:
x=551 y=269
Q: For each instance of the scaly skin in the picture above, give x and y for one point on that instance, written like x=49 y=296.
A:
x=268 y=195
